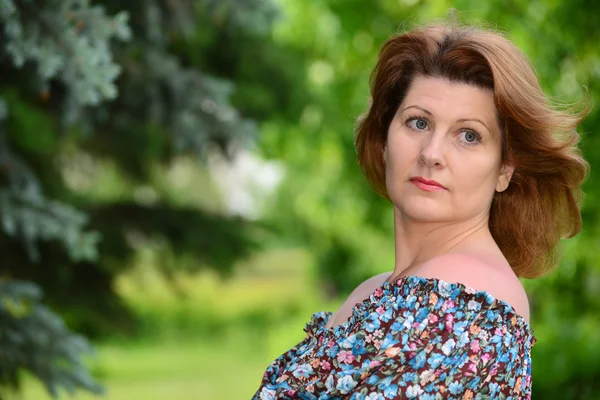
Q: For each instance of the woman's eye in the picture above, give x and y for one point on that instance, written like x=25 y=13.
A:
x=418 y=123
x=470 y=137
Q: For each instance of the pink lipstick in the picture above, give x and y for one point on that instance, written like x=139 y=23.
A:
x=427 y=184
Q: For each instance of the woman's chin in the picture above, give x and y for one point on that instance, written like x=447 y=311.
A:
x=425 y=212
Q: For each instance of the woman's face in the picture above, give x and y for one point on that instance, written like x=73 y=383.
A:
x=448 y=133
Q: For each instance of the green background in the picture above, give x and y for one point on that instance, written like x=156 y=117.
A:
x=191 y=299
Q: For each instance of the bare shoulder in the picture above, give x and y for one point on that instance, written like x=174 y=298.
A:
x=370 y=284
x=377 y=280
x=360 y=293
x=479 y=273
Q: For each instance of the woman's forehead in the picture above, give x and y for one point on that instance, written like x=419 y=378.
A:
x=445 y=98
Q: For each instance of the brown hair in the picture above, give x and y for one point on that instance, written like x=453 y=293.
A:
x=542 y=203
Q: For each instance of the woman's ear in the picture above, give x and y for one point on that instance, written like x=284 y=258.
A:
x=506 y=174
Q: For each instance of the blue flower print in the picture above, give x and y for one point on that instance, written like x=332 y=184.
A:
x=455 y=387
x=419 y=360
x=416 y=338
x=304 y=370
x=348 y=342
x=390 y=391
x=346 y=384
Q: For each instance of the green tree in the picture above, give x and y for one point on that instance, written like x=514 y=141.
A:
x=123 y=83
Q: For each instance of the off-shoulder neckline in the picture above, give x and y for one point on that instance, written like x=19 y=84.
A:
x=319 y=320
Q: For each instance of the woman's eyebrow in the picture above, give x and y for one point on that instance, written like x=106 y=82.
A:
x=420 y=108
x=475 y=120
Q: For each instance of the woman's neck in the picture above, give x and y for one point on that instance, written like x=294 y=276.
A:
x=418 y=241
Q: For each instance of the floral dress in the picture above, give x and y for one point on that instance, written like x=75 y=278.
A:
x=416 y=338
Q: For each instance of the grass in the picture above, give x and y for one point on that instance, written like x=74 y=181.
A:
x=183 y=370
x=205 y=369
x=181 y=356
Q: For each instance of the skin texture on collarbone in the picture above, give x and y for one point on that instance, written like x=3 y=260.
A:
x=449 y=133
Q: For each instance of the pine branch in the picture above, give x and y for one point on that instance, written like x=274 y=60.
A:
x=34 y=339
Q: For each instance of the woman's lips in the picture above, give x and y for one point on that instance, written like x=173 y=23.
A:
x=427 y=185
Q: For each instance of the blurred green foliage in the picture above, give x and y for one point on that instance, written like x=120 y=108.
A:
x=293 y=75
x=63 y=63
x=326 y=204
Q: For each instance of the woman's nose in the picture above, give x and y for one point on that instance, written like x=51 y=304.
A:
x=432 y=152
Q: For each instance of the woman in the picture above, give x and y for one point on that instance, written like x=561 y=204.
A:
x=485 y=178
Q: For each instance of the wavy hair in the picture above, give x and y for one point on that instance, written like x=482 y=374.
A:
x=542 y=204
